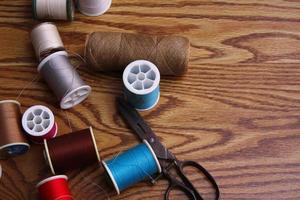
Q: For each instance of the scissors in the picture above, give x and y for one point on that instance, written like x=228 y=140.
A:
x=167 y=160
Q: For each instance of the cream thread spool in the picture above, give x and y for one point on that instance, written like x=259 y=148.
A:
x=38 y=122
x=93 y=7
x=53 y=9
x=63 y=79
x=45 y=39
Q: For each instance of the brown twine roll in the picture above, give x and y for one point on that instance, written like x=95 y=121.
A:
x=12 y=139
x=106 y=51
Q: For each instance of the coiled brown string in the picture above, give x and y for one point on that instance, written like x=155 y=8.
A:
x=12 y=139
x=106 y=51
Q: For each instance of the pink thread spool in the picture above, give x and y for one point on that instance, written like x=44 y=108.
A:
x=38 y=122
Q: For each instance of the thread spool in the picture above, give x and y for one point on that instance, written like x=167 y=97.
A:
x=63 y=79
x=54 y=188
x=141 y=84
x=71 y=151
x=110 y=51
x=38 y=122
x=45 y=40
x=93 y=7
x=13 y=141
x=53 y=9
x=132 y=166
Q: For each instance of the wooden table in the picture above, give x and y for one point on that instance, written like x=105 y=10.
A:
x=236 y=111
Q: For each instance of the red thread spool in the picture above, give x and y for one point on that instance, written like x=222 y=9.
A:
x=71 y=151
x=39 y=124
x=55 y=188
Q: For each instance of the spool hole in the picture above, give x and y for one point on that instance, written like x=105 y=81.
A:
x=144 y=68
x=141 y=76
x=38 y=120
x=135 y=69
x=46 y=123
x=37 y=112
x=38 y=128
x=138 y=85
x=151 y=75
x=30 y=117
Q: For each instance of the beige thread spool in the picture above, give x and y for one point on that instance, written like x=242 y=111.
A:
x=53 y=9
x=45 y=39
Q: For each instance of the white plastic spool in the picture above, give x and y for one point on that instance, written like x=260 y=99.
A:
x=72 y=97
x=141 y=78
x=38 y=121
x=93 y=7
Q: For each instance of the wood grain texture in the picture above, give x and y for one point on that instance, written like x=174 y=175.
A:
x=236 y=111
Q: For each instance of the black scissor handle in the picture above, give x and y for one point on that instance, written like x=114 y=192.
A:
x=174 y=184
x=189 y=163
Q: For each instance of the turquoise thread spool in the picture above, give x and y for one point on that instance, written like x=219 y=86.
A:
x=132 y=166
x=141 y=84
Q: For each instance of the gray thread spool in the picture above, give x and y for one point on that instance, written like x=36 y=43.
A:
x=63 y=79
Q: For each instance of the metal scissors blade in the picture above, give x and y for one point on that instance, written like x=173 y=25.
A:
x=142 y=129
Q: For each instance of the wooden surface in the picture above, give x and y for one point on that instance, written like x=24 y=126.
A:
x=237 y=110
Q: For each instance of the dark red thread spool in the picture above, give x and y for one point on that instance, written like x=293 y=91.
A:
x=71 y=151
x=55 y=188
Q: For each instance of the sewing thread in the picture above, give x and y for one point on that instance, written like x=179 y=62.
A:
x=53 y=9
x=93 y=7
x=45 y=40
x=112 y=51
x=39 y=124
x=63 y=79
x=54 y=188
x=132 y=166
x=71 y=151
x=13 y=141
x=141 y=84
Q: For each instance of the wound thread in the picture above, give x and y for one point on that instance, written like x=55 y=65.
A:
x=71 y=151
x=45 y=40
x=132 y=166
x=13 y=141
x=39 y=124
x=110 y=51
x=141 y=84
x=53 y=9
x=54 y=188
x=63 y=79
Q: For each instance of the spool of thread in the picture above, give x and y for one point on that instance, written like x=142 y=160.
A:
x=38 y=122
x=71 y=151
x=12 y=138
x=141 y=84
x=108 y=51
x=93 y=7
x=132 y=166
x=53 y=9
x=63 y=79
x=45 y=40
x=54 y=188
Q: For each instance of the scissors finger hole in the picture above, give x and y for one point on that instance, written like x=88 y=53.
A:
x=199 y=181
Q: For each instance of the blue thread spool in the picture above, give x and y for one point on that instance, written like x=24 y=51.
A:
x=132 y=166
x=141 y=80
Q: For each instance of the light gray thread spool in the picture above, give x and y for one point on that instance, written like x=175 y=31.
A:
x=63 y=79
